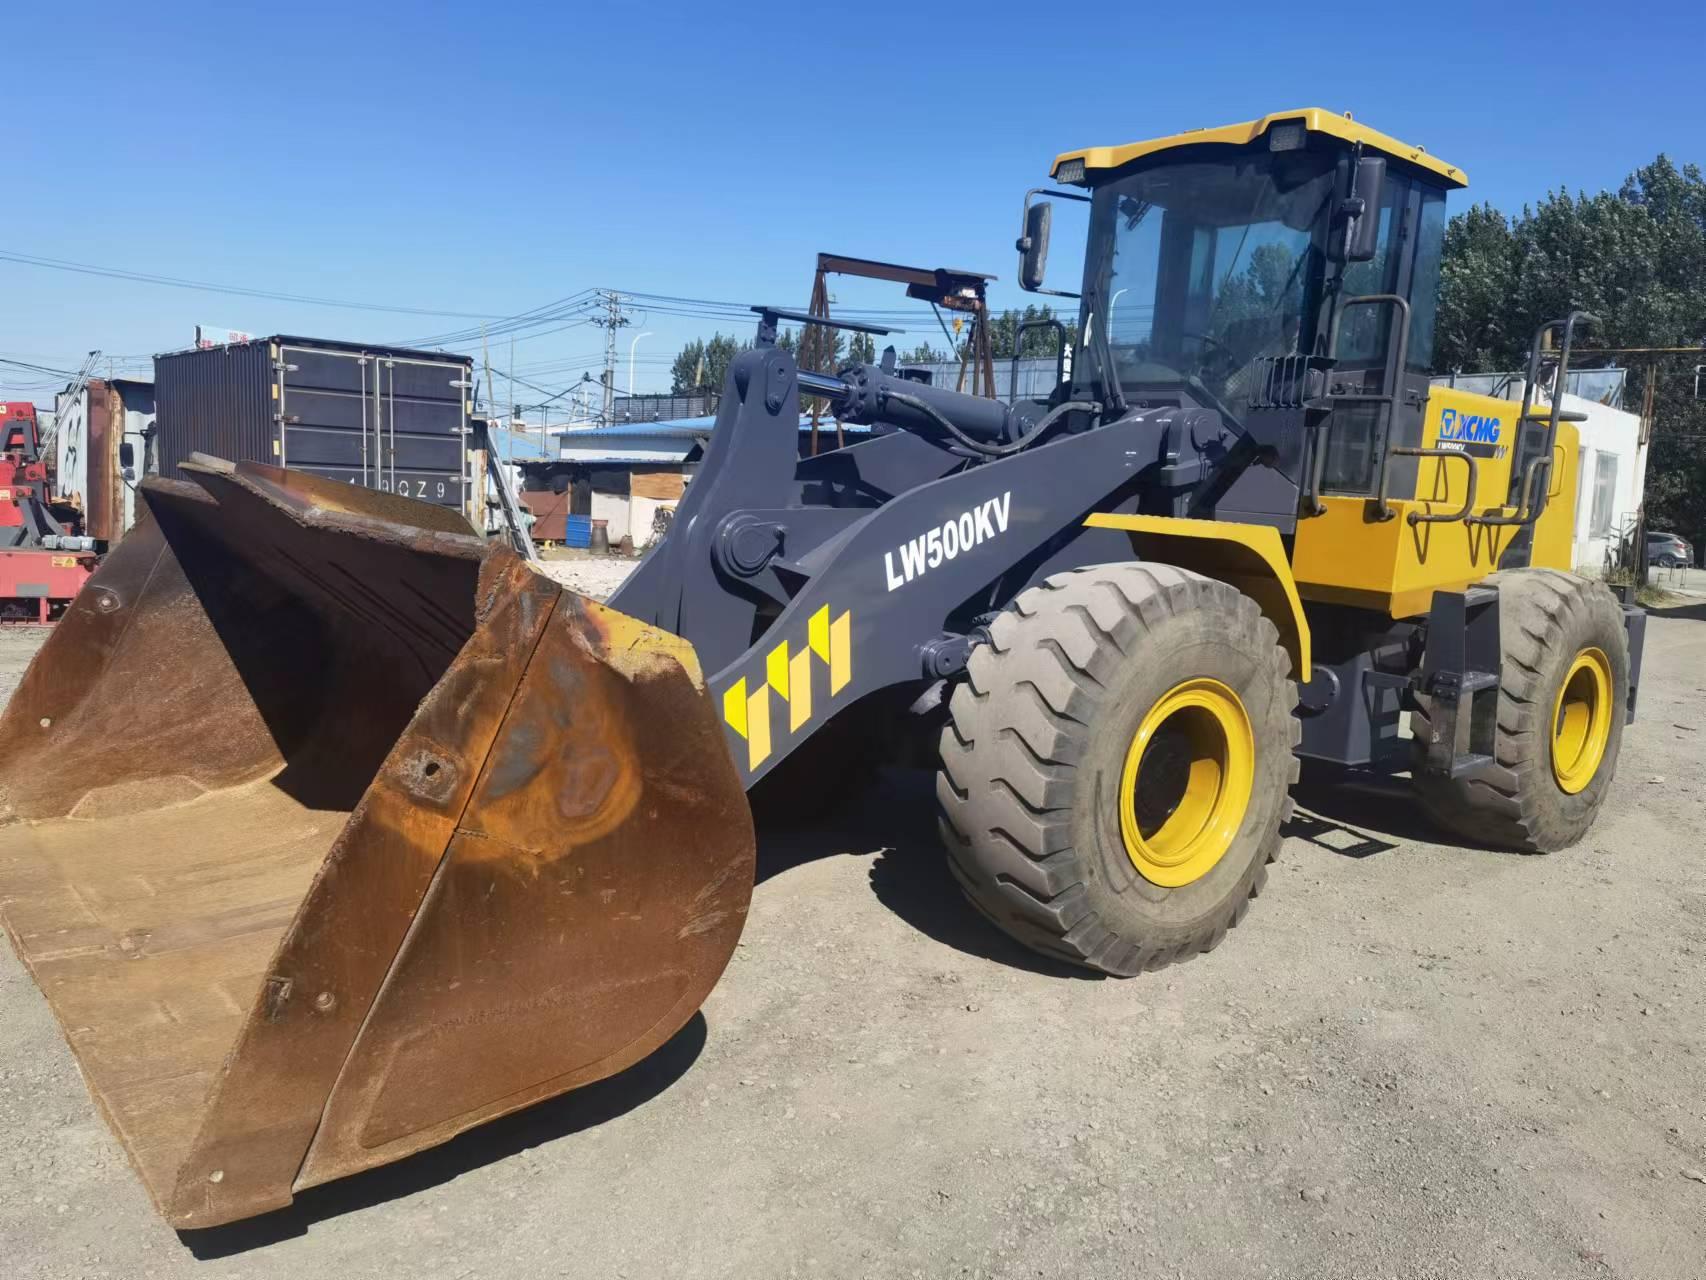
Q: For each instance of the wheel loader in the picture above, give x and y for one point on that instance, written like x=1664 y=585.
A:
x=333 y=830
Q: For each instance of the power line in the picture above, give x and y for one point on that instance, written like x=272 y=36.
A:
x=38 y=368
x=576 y=304
x=143 y=277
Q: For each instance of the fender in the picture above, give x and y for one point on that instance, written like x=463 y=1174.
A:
x=1250 y=557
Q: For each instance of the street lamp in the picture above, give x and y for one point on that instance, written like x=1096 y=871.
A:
x=631 y=346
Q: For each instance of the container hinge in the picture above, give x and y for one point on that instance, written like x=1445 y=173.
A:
x=289 y=419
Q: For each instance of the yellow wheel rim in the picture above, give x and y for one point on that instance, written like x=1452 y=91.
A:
x=1186 y=783
x=1581 y=721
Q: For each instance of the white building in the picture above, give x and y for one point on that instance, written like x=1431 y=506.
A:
x=1612 y=476
x=632 y=475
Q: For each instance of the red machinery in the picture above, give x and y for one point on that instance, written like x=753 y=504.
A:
x=43 y=564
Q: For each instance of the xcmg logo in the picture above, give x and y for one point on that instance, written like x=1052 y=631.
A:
x=1471 y=428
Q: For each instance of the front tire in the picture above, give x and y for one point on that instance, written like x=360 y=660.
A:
x=1562 y=698
x=1117 y=763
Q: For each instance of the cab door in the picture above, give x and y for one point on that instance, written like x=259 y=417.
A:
x=1377 y=356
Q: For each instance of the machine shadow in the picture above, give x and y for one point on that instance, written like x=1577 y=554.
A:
x=895 y=821
x=1358 y=815
x=555 y=1118
x=1687 y=612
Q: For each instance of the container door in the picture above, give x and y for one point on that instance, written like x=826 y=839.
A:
x=376 y=420
x=328 y=414
x=424 y=429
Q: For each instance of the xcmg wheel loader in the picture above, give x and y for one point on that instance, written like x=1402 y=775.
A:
x=357 y=832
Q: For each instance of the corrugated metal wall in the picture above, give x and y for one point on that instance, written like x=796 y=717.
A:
x=217 y=401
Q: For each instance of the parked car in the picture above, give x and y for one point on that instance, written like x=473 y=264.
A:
x=1669 y=550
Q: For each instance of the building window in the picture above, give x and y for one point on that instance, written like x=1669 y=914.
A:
x=1604 y=493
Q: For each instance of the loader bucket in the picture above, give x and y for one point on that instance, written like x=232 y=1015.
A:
x=331 y=830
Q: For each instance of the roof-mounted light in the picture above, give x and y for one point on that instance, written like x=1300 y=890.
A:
x=1070 y=171
x=1288 y=136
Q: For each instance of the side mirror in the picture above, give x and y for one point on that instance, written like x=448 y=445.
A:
x=1359 y=213
x=127 y=455
x=1033 y=245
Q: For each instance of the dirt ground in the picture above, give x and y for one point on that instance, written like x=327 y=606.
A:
x=1411 y=1060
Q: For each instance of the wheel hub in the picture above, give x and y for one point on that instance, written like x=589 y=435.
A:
x=1186 y=783
x=1581 y=721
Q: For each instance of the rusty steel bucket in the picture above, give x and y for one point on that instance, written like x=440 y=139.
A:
x=332 y=830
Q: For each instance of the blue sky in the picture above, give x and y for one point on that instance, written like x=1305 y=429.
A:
x=490 y=159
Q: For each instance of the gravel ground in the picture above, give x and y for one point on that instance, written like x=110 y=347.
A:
x=1411 y=1061
x=595 y=576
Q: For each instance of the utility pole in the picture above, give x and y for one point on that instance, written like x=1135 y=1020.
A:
x=486 y=359
x=610 y=322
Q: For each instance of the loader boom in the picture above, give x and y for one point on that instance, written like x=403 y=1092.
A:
x=873 y=567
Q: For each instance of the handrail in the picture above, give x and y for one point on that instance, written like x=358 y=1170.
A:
x=1019 y=346
x=1531 y=385
x=1528 y=511
x=1383 y=509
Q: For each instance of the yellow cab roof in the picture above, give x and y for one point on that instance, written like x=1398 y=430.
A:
x=1314 y=119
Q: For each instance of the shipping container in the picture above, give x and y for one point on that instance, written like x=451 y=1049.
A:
x=98 y=426
x=385 y=417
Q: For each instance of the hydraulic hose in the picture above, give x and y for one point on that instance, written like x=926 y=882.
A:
x=982 y=447
x=866 y=394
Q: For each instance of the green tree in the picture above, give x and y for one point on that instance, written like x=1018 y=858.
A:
x=702 y=365
x=861 y=348
x=688 y=368
x=1476 y=291
x=1004 y=329
x=924 y=353
x=1636 y=258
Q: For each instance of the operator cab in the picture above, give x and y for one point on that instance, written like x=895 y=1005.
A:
x=1282 y=272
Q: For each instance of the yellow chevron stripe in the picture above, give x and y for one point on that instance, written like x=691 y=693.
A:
x=840 y=652
x=734 y=706
x=788 y=673
x=800 y=682
x=758 y=727
x=817 y=633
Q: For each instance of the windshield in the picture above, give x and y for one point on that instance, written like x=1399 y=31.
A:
x=1208 y=266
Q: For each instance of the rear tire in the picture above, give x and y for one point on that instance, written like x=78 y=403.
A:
x=1548 y=783
x=1054 y=812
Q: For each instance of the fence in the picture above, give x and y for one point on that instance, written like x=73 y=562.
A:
x=1035 y=379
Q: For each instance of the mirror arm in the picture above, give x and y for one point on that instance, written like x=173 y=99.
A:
x=1023 y=244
